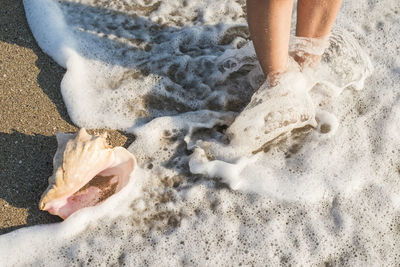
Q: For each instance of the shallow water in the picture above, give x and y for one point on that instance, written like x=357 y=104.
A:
x=176 y=73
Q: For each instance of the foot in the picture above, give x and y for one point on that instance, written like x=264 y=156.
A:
x=307 y=52
x=273 y=112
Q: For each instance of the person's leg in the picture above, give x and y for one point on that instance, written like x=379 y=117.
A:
x=269 y=23
x=315 y=19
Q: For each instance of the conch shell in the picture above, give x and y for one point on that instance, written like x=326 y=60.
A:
x=86 y=171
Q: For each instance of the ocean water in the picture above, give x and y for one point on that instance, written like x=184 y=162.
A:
x=176 y=74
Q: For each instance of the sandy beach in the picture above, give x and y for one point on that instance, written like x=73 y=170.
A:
x=31 y=112
x=212 y=186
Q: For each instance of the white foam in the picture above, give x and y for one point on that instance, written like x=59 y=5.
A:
x=273 y=112
x=47 y=24
x=156 y=69
x=327 y=123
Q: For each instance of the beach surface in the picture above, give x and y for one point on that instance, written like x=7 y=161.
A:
x=31 y=112
x=171 y=78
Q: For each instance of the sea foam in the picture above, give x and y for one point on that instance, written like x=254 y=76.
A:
x=176 y=74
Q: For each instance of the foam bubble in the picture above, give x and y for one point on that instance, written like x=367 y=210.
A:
x=327 y=123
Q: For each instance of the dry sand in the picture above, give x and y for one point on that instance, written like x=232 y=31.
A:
x=31 y=112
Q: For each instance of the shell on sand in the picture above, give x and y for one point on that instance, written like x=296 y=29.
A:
x=86 y=171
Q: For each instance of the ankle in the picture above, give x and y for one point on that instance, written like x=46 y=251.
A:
x=273 y=78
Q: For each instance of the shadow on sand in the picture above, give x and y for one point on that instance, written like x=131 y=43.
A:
x=14 y=29
x=25 y=164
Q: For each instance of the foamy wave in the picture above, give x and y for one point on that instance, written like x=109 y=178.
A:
x=176 y=74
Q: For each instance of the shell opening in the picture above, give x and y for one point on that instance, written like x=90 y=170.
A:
x=103 y=185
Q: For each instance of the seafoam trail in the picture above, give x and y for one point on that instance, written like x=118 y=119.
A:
x=176 y=73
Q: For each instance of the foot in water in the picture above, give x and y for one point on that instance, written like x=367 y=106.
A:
x=273 y=112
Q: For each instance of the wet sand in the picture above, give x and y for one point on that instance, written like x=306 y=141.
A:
x=31 y=112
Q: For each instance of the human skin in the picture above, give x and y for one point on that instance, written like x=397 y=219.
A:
x=315 y=18
x=269 y=23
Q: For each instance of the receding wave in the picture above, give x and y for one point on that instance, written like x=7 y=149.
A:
x=177 y=74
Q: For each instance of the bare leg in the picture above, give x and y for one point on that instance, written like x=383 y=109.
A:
x=269 y=24
x=315 y=19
